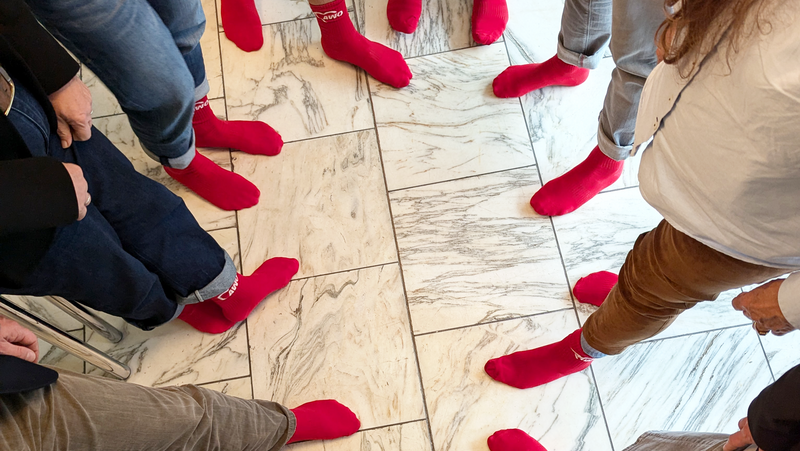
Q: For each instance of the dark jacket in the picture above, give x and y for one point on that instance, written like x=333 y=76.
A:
x=36 y=194
x=774 y=416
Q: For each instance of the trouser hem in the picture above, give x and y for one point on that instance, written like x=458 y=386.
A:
x=579 y=59
x=609 y=147
x=216 y=287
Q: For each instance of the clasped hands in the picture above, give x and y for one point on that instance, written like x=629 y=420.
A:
x=760 y=305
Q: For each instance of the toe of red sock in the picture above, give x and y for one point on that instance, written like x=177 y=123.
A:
x=324 y=419
x=513 y=440
x=594 y=288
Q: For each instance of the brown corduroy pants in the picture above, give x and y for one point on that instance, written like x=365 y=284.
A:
x=86 y=413
x=666 y=273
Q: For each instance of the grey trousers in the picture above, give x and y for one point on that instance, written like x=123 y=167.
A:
x=587 y=26
x=87 y=413
x=681 y=441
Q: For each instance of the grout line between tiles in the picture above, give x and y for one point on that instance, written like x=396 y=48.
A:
x=422 y=334
x=311 y=138
x=764 y=351
x=400 y=267
x=401 y=423
x=360 y=268
x=461 y=178
x=222 y=380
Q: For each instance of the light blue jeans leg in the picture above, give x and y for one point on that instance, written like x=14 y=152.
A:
x=634 y=27
x=138 y=49
x=585 y=32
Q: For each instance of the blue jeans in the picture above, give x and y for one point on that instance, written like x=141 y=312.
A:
x=147 y=53
x=587 y=26
x=139 y=253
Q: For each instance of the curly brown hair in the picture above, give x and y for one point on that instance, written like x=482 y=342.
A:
x=693 y=26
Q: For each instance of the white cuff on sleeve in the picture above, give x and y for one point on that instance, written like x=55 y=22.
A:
x=789 y=299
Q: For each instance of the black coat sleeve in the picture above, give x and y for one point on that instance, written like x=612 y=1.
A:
x=774 y=416
x=35 y=194
x=52 y=66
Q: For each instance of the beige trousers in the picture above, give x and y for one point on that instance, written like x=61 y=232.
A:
x=86 y=413
x=666 y=273
x=681 y=441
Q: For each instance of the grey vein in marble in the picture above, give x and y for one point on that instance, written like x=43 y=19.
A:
x=323 y=202
x=701 y=382
x=345 y=336
x=293 y=86
x=474 y=251
x=465 y=405
x=447 y=123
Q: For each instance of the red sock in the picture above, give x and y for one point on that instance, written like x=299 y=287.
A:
x=253 y=137
x=404 y=14
x=323 y=420
x=206 y=317
x=526 y=369
x=489 y=19
x=248 y=291
x=517 y=81
x=594 y=288
x=513 y=440
x=241 y=24
x=223 y=188
x=341 y=41
x=566 y=193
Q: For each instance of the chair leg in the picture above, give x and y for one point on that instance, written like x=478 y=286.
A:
x=88 y=318
x=64 y=341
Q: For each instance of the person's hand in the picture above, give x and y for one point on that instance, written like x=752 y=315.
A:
x=81 y=188
x=739 y=439
x=73 y=106
x=18 y=341
x=761 y=306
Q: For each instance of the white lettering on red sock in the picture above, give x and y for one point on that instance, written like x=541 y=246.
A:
x=200 y=104
x=231 y=290
x=327 y=16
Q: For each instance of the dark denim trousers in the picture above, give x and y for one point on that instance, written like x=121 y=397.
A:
x=147 y=52
x=138 y=252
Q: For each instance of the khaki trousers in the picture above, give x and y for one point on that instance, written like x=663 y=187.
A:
x=681 y=441
x=666 y=273
x=86 y=413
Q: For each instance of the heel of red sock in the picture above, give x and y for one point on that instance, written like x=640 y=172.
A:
x=223 y=188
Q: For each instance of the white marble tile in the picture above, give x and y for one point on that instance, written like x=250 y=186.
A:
x=474 y=251
x=466 y=406
x=103 y=101
x=444 y=25
x=447 y=123
x=701 y=382
x=228 y=239
x=175 y=353
x=293 y=86
x=532 y=32
x=53 y=356
x=209 y=43
x=45 y=310
x=404 y=437
x=119 y=132
x=323 y=203
x=240 y=388
x=782 y=352
x=344 y=336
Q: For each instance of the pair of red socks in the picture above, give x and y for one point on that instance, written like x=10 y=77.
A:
x=220 y=313
x=489 y=18
x=223 y=188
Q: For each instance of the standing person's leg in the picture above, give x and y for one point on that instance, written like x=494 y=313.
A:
x=666 y=273
x=80 y=412
x=242 y=24
x=489 y=19
x=517 y=440
x=128 y=46
x=342 y=42
x=633 y=47
x=585 y=33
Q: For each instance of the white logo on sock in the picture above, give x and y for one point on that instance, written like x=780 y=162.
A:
x=231 y=290
x=200 y=106
x=329 y=15
x=580 y=357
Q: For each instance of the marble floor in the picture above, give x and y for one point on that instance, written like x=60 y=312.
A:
x=420 y=256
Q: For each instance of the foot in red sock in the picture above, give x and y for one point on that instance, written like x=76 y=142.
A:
x=248 y=291
x=526 y=369
x=241 y=24
x=517 y=81
x=566 y=193
x=342 y=42
x=223 y=188
x=323 y=420
x=594 y=288
x=489 y=19
x=513 y=440
x=404 y=14
x=206 y=317
x=253 y=137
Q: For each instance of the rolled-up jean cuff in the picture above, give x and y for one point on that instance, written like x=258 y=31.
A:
x=610 y=148
x=178 y=311
x=589 y=350
x=579 y=59
x=181 y=162
x=216 y=287
x=201 y=90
